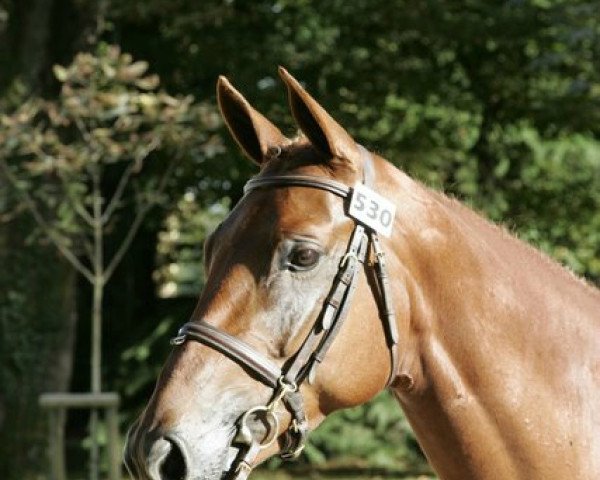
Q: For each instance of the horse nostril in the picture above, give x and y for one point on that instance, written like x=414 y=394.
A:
x=173 y=466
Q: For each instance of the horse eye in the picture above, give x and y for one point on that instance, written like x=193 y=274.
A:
x=304 y=258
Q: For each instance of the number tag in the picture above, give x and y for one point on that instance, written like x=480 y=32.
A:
x=371 y=209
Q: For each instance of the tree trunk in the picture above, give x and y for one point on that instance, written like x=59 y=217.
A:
x=37 y=329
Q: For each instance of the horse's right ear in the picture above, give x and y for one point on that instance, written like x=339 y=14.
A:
x=251 y=130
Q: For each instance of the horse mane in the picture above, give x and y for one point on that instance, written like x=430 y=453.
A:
x=512 y=238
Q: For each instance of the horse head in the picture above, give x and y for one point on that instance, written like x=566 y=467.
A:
x=282 y=270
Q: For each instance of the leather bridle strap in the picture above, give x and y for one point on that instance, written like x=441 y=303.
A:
x=237 y=350
x=332 y=186
x=387 y=313
x=333 y=313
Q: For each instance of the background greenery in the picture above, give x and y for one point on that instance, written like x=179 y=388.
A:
x=497 y=103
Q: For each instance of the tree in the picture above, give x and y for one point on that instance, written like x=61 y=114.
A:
x=108 y=119
x=38 y=301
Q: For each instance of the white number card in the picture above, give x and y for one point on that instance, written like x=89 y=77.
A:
x=371 y=209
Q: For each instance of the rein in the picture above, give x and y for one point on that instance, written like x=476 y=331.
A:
x=286 y=381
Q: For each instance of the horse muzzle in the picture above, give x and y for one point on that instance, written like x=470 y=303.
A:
x=150 y=456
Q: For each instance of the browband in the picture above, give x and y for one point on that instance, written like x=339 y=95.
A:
x=332 y=186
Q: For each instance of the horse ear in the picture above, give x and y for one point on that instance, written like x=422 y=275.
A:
x=250 y=129
x=328 y=136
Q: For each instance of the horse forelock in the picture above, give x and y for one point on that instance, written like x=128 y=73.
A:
x=302 y=157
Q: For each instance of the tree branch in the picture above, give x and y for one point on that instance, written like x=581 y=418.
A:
x=56 y=238
x=118 y=256
x=98 y=232
x=137 y=223
x=116 y=198
x=89 y=251
x=9 y=216
x=114 y=201
x=84 y=131
x=77 y=206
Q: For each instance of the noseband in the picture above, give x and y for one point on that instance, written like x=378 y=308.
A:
x=286 y=381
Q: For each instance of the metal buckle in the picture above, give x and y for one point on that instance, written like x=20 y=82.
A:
x=178 y=340
x=282 y=391
x=245 y=433
x=286 y=387
x=347 y=257
x=294 y=426
x=242 y=471
x=243 y=466
x=295 y=453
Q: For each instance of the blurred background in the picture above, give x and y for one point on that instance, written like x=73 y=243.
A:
x=115 y=165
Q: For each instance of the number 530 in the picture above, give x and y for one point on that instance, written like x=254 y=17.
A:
x=372 y=209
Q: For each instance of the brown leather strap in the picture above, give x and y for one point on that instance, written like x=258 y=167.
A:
x=328 y=339
x=332 y=310
x=337 y=188
x=368 y=170
x=228 y=345
x=298 y=433
x=245 y=464
x=386 y=306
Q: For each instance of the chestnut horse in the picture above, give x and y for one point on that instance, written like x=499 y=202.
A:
x=491 y=348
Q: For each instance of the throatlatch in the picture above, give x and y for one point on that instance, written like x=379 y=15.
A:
x=286 y=382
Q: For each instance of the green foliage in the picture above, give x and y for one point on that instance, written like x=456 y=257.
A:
x=178 y=274
x=32 y=336
x=179 y=269
x=374 y=435
x=552 y=194
x=137 y=359
x=109 y=112
x=108 y=121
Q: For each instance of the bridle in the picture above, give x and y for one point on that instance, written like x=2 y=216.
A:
x=286 y=381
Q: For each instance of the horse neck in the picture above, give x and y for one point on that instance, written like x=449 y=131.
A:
x=489 y=320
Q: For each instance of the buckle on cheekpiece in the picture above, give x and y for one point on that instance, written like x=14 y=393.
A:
x=179 y=339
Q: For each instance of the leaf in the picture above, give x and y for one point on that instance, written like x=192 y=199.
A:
x=147 y=100
x=60 y=72
x=129 y=73
x=148 y=83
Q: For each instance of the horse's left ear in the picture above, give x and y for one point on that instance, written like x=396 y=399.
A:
x=328 y=136
x=253 y=132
